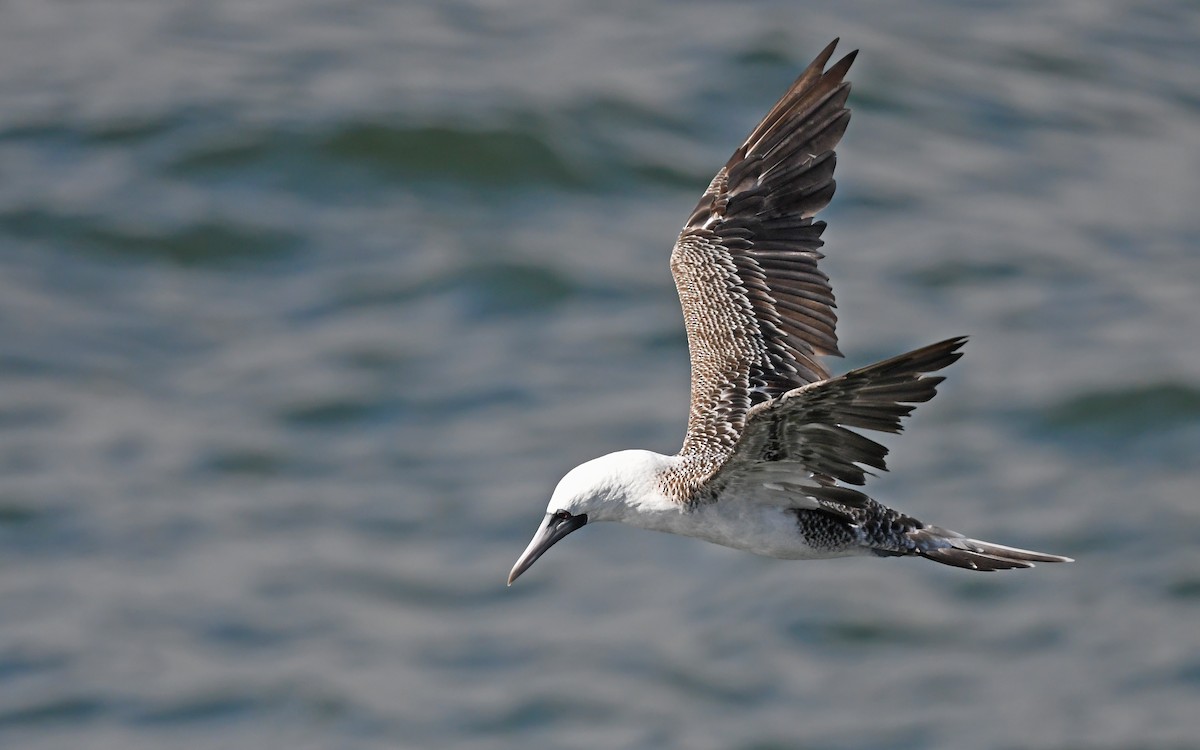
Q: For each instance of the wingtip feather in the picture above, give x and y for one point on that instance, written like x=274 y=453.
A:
x=822 y=58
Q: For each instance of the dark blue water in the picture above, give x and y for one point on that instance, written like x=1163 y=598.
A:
x=306 y=307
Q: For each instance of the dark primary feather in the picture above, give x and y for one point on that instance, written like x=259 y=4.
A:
x=813 y=426
x=758 y=310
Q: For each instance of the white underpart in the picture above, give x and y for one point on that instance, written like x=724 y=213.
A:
x=625 y=487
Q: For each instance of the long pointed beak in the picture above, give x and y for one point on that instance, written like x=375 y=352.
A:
x=552 y=529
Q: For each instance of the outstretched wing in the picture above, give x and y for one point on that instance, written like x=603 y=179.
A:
x=804 y=441
x=757 y=309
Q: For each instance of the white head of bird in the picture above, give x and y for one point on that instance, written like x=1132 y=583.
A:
x=620 y=486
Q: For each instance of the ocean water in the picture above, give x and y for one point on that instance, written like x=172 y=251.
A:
x=305 y=308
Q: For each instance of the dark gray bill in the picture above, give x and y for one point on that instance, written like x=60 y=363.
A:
x=554 y=527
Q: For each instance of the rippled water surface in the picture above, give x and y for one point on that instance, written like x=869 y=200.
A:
x=305 y=308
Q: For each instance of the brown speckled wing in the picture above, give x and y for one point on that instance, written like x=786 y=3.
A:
x=811 y=430
x=757 y=309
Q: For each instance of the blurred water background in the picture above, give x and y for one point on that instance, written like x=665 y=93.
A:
x=305 y=307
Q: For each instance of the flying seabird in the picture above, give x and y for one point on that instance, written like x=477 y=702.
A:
x=771 y=460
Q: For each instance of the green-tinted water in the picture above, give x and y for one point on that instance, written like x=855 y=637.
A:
x=304 y=310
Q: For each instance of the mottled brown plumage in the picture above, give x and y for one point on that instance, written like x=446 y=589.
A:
x=772 y=461
x=757 y=309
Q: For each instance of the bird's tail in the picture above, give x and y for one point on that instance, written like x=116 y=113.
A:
x=951 y=548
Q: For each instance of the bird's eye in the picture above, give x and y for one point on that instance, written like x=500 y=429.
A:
x=562 y=515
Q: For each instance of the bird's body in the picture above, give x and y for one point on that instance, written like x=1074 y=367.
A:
x=761 y=521
x=771 y=461
x=636 y=493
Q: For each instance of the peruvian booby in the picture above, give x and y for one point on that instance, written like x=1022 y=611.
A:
x=772 y=460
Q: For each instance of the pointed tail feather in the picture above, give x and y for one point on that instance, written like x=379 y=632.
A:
x=952 y=548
